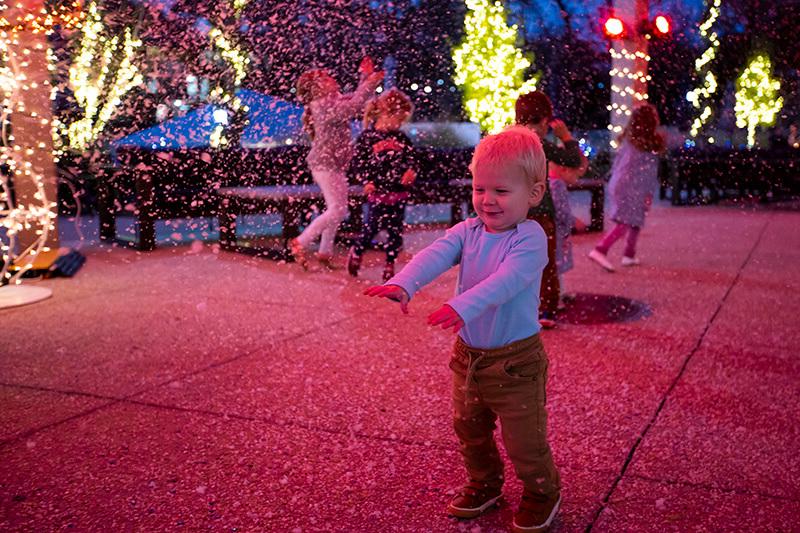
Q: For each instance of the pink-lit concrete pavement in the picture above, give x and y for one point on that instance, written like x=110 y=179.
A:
x=191 y=390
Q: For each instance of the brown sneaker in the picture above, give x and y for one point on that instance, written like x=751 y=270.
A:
x=536 y=512
x=353 y=262
x=326 y=260
x=298 y=253
x=473 y=499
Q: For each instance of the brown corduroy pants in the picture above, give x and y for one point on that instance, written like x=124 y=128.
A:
x=509 y=383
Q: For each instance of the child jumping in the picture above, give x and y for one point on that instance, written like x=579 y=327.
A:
x=499 y=363
x=560 y=178
x=384 y=162
x=634 y=179
x=327 y=120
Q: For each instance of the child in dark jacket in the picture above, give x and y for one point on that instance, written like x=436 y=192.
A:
x=384 y=162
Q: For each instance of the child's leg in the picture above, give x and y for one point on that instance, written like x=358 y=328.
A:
x=611 y=237
x=630 y=244
x=334 y=190
x=369 y=231
x=520 y=403
x=393 y=218
x=474 y=424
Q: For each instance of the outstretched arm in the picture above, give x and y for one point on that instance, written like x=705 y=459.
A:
x=443 y=254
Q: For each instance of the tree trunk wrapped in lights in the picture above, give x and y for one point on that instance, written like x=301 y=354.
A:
x=489 y=68
x=757 y=100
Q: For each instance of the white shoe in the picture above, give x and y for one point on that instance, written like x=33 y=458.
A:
x=602 y=260
x=630 y=261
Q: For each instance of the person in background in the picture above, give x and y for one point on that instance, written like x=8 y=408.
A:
x=327 y=121
x=535 y=111
x=634 y=180
x=384 y=162
x=560 y=178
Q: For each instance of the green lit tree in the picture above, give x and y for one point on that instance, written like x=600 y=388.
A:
x=757 y=100
x=490 y=69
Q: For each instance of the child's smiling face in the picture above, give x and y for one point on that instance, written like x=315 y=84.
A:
x=502 y=196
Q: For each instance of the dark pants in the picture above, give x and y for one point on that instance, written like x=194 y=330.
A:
x=551 y=288
x=387 y=217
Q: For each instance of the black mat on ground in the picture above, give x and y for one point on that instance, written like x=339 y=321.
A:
x=587 y=309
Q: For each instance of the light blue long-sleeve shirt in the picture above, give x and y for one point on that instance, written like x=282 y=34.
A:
x=499 y=277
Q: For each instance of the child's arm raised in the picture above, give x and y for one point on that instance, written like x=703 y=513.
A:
x=352 y=104
x=521 y=267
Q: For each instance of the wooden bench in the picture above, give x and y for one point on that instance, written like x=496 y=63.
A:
x=292 y=202
x=594 y=186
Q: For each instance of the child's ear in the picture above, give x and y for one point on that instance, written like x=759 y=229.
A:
x=537 y=193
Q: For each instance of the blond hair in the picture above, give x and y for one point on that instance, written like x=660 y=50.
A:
x=394 y=101
x=516 y=146
x=307 y=86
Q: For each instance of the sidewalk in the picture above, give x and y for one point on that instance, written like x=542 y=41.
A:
x=187 y=389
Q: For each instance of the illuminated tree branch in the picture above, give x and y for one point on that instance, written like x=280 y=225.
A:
x=489 y=67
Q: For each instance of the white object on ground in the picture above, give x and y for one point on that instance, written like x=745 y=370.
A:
x=18 y=295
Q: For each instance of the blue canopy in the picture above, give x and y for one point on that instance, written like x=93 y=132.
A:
x=272 y=121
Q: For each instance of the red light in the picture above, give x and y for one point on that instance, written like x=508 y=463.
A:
x=662 y=24
x=614 y=28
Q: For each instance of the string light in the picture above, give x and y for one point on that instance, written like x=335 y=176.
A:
x=625 y=82
x=89 y=75
x=757 y=100
x=700 y=96
x=68 y=16
x=238 y=60
x=489 y=67
x=29 y=212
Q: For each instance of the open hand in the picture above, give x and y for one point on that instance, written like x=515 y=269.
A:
x=366 y=67
x=447 y=317
x=393 y=292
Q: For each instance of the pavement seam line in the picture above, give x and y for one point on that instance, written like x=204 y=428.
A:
x=128 y=398
x=629 y=458
x=32 y=431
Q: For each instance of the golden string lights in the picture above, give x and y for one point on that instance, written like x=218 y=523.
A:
x=489 y=67
x=34 y=212
x=701 y=96
x=628 y=83
x=757 y=100
x=68 y=16
x=238 y=61
x=99 y=79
